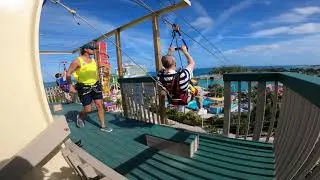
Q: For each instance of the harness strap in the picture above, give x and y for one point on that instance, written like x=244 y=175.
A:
x=175 y=95
x=176 y=30
x=180 y=36
x=87 y=89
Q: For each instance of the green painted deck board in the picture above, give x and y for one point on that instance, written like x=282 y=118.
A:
x=251 y=144
x=232 y=145
x=211 y=166
x=125 y=151
x=236 y=150
x=202 y=156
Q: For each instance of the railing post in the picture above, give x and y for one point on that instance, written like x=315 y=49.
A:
x=274 y=110
x=260 y=108
x=239 y=109
x=157 y=50
x=249 y=110
x=227 y=107
x=120 y=72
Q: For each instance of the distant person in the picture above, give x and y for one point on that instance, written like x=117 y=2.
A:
x=177 y=82
x=199 y=97
x=89 y=89
x=63 y=85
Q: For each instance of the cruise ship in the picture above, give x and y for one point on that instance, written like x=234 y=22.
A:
x=131 y=70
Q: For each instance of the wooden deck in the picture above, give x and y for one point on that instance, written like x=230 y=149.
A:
x=125 y=151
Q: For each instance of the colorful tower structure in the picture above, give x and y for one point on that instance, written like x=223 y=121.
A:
x=104 y=67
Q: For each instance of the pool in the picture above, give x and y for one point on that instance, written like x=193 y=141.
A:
x=206 y=104
x=193 y=104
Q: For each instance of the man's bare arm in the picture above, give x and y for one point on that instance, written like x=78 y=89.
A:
x=191 y=63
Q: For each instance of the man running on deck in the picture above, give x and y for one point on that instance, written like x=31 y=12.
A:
x=85 y=71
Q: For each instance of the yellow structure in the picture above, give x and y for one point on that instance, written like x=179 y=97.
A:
x=105 y=80
x=217 y=99
x=104 y=67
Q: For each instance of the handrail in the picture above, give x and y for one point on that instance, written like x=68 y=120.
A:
x=296 y=135
x=306 y=86
x=140 y=99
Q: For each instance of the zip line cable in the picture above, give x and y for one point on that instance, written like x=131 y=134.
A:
x=146 y=6
x=187 y=22
x=179 y=53
x=50 y=75
x=73 y=12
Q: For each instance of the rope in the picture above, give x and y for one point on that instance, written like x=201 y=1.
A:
x=146 y=6
x=179 y=53
x=187 y=22
x=50 y=75
x=174 y=37
x=64 y=66
x=73 y=12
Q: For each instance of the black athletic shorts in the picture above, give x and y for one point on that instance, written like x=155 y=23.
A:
x=89 y=93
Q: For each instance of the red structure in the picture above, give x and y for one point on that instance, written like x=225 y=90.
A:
x=103 y=57
x=104 y=67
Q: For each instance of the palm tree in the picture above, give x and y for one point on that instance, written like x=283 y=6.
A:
x=216 y=90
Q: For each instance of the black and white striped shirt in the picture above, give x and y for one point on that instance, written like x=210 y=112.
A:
x=185 y=77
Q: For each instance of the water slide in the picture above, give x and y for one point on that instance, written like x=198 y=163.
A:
x=25 y=115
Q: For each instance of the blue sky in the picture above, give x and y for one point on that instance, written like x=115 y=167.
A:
x=248 y=32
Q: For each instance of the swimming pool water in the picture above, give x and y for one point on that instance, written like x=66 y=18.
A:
x=193 y=104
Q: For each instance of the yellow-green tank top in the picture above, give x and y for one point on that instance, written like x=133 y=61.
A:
x=87 y=73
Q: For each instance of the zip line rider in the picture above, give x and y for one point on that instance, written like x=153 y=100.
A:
x=85 y=71
x=177 y=82
x=63 y=84
x=61 y=79
x=180 y=90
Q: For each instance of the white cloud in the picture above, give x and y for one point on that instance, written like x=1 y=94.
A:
x=59 y=30
x=199 y=8
x=253 y=49
x=299 y=51
x=307 y=10
x=203 y=22
x=289 y=18
x=270 y=32
x=233 y=10
x=295 y=15
x=228 y=13
x=307 y=28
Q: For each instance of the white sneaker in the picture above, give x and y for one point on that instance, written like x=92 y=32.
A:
x=80 y=122
x=205 y=111
x=106 y=129
x=202 y=111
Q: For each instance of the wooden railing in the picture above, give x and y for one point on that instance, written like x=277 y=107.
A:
x=56 y=95
x=296 y=137
x=251 y=129
x=140 y=99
